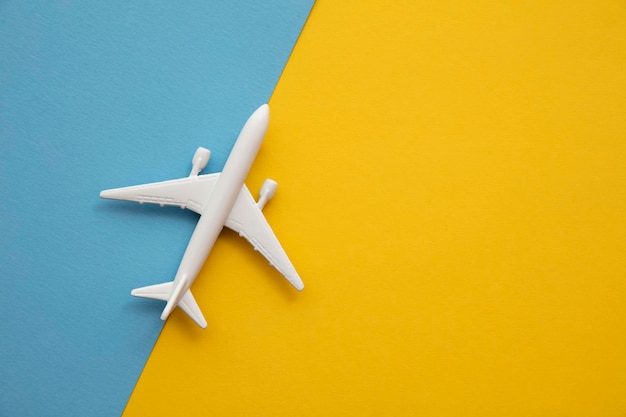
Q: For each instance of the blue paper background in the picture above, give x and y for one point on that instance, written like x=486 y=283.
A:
x=97 y=95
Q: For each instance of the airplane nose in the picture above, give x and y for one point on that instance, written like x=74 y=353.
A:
x=262 y=113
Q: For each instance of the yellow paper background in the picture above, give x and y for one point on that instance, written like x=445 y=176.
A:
x=453 y=193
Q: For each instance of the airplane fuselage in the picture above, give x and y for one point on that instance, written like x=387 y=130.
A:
x=222 y=200
x=220 y=203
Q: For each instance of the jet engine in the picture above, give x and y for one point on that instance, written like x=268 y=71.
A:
x=199 y=161
x=268 y=189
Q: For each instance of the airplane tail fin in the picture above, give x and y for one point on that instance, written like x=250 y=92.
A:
x=167 y=292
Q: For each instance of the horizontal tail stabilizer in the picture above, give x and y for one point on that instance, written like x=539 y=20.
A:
x=164 y=292
x=189 y=306
x=157 y=292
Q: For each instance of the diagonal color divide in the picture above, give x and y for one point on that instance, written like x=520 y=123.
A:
x=452 y=191
x=95 y=96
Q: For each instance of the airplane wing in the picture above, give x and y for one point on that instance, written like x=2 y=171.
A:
x=190 y=192
x=247 y=219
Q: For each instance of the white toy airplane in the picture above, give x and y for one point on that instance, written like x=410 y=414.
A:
x=221 y=199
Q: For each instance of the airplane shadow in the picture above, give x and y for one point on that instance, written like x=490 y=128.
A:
x=275 y=278
x=132 y=209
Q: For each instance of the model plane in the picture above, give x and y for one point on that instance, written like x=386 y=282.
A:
x=221 y=199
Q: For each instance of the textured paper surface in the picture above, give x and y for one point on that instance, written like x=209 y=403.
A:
x=452 y=191
x=97 y=95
